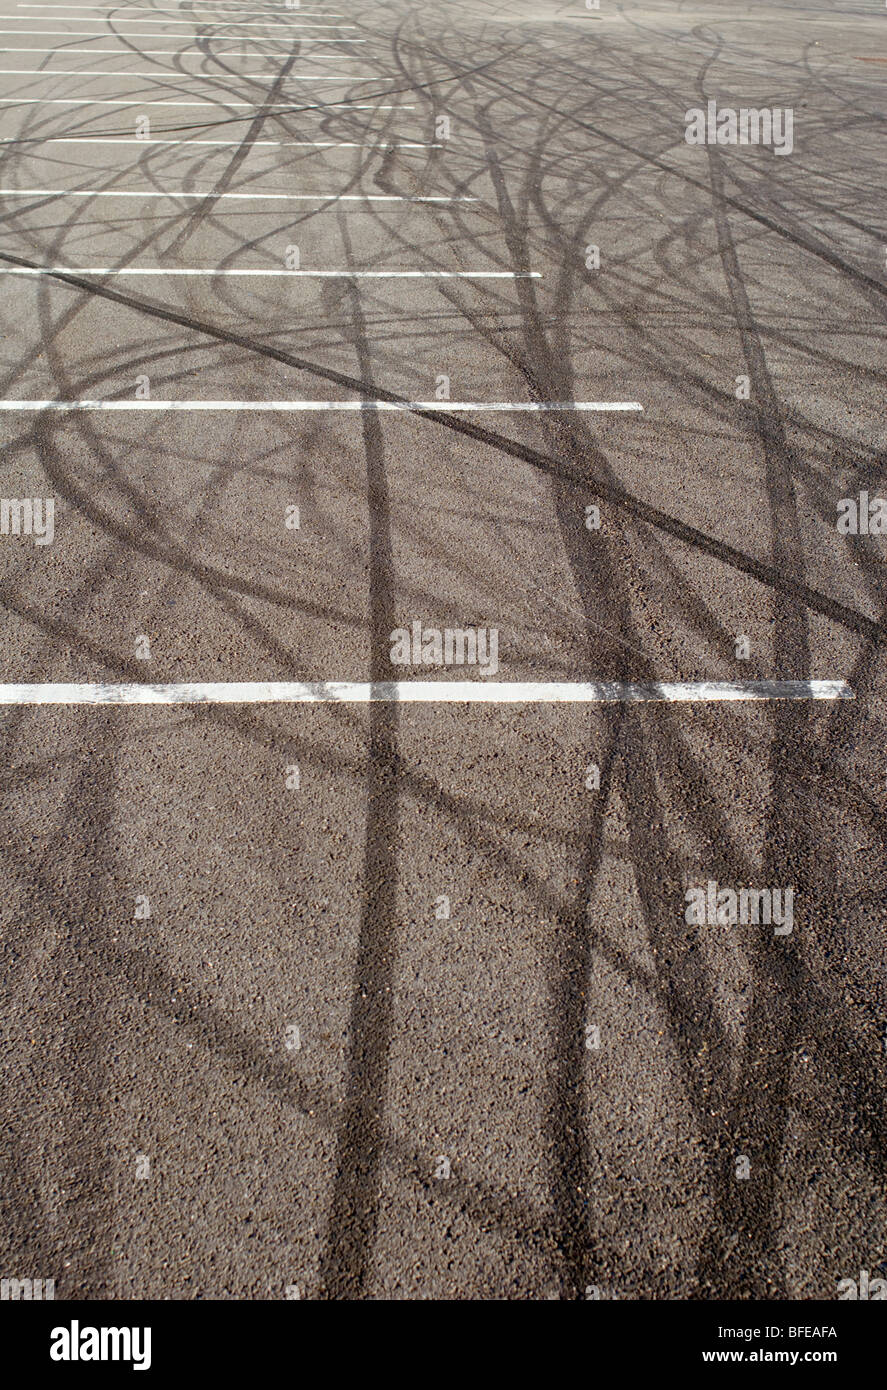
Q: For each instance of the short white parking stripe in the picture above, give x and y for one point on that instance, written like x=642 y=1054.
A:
x=296 y=407
x=283 y=274
x=422 y=692
x=250 y=197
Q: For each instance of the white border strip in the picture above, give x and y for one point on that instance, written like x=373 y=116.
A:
x=298 y=406
x=421 y=692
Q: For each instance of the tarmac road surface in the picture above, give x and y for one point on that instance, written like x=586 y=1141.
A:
x=392 y=999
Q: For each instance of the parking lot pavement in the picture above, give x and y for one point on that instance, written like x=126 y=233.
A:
x=364 y=997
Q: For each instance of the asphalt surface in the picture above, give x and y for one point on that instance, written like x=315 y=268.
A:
x=164 y=1131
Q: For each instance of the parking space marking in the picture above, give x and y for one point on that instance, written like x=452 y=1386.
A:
x=423 y=692
x=213 y=38
x=249 y=197
x=282 y=274
x=255 y=144
x=178 y=76
x=296 y=407
x=152 y=9
x=216 y=105
x=163 y=52
x=185 y=76
x=189 y=23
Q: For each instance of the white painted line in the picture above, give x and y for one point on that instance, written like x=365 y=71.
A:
x=134 y=140
x=155 y=9
x=213 y=38
x=251 y=197
x=182 y=76
x=165 y=52
x=216 y=105
x=297 y=407
x=283 y=274
x=203 y=5
x=190 y=23
x=421 y=692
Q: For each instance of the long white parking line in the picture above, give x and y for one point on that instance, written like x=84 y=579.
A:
x=156 y=9
x=113 y=10
x=189 y=23
x=113 y=16
x=250 y=197
x=178 y=53
x=166 y=52
x=213 y=38
x=421 y=692
x=182 y=76
x=203 y=4
x=134 y=140
x=283 y=274
x=297 y=407
x=221 y=104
